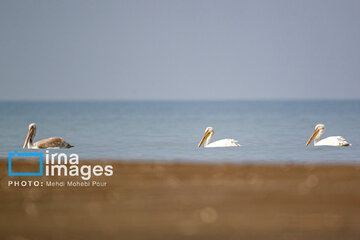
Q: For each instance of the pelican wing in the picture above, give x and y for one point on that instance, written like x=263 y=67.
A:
x=342 y=141
x=54 y=142
x=333 y=141
x=224 y=143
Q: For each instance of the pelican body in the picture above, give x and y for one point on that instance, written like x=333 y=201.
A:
x=336 y=141
x=209 y=133
x=54 y=142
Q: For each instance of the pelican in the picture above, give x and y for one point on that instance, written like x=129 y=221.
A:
x=54 y=142
x=336 y=141
x=209 y=133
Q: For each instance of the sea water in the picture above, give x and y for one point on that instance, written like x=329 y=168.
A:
x=268 y=131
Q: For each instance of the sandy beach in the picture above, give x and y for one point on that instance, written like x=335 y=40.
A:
x=187 y=201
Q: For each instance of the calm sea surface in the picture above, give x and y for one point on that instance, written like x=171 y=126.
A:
x=269 y=131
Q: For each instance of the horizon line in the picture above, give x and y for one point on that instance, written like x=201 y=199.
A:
x=180 y=100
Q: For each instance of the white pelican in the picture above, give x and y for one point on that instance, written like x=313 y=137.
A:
x=329 y=141
x=54 y=142
x=209 y=133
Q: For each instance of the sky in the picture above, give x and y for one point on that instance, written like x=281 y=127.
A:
x=179 y=50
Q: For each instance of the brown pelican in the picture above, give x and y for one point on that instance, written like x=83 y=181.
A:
x=54 y=142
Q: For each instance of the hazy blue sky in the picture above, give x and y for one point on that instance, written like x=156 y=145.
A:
x=179 y=49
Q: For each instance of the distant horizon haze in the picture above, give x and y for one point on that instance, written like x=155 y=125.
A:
x=179 y=50
x=184 y=100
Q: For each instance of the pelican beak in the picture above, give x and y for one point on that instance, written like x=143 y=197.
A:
x=203 y=139
x=312 y=136
x=30 y=133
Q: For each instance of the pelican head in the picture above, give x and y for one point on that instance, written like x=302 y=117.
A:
x=31 y=134
x=319 y=130
x=208 y=132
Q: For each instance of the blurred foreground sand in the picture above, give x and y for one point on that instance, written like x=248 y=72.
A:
x=188 y=201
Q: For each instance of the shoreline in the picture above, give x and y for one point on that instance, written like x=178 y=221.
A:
x=172 y=200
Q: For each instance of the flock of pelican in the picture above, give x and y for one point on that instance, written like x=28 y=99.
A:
x=335 y=141
x=57 y=142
